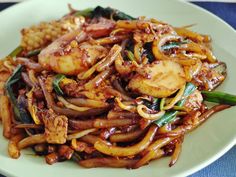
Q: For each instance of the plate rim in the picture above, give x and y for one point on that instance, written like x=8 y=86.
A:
x=195 y=168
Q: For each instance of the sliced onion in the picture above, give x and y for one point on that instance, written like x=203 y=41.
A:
x=87 y=102
x=71 y=106
x=80 y=134
x=177 y=97
x=29 y=64
x=149 y=116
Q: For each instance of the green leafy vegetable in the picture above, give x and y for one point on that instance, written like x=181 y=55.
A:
x=172 y=45
x=171 y=115
x=108 y=12
x=16 y=51
x=130 y=55
x=154 y=105
x=162 y=103
x=76 y=157
x=118 y=15
x=86 y=12
x=148 y=51
x=56 y=83
x=18 y=106
x=219 y=97
x=33 y=53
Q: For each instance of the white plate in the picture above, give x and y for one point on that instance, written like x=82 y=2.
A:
x=201 y=147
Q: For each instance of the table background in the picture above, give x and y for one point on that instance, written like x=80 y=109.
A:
x=226 y=165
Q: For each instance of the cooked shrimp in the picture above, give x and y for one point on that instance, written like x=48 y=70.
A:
x=70 y=55
x=66 y=56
